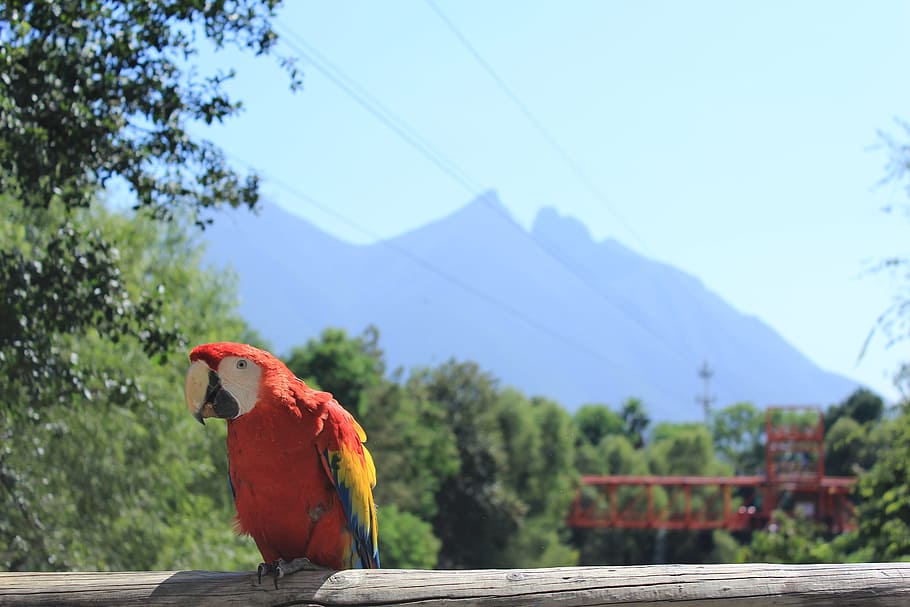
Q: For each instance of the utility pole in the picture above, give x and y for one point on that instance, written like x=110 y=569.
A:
x=705 y=398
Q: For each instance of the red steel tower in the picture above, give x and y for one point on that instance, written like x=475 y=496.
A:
x=794 y=480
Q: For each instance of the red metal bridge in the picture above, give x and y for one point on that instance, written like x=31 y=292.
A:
x=794 y=480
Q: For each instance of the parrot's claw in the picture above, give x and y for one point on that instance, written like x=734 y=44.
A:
x=281 y=568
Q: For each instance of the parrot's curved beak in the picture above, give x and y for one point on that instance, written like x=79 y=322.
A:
x=205 y=396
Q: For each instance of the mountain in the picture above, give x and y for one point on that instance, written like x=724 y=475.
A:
x=551 y=311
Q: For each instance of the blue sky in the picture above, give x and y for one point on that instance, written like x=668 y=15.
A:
x=736 y=141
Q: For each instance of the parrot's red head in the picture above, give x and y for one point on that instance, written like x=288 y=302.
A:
x=224 y=379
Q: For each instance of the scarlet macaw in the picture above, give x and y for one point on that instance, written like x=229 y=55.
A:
x=301 y=477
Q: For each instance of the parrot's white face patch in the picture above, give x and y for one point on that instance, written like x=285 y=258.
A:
x=196 y=386
x=240 y=377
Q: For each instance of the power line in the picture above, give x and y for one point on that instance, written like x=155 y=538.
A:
x=561 y=151
x=466 y=286
x=401 y=128
x=368 y=102
x=410 y=135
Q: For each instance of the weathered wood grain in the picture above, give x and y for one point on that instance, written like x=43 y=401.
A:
x=692 y=585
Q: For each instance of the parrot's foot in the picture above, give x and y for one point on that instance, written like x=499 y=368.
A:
x=281 y=568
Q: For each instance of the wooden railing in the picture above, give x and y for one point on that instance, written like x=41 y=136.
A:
x=692 y=585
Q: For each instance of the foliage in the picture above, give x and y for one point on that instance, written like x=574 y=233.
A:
x=100 y=468
x=49 y=262
x=884 y=514
x=476 y=512
x=858 y=441
x=617 y=456
x=115 y=476
x=863 y=406
x=409 y=435
x=490 y=469
x=684 y=449
x=846 y=448
x=605 y=447
x=793 y=539
x=513 y=485
x=725 y=548
x=93 y=93
x=594 y=422
x=406 y=541
x=672 y=449
x=635 y=421
x=880 y=449
x=852 y=433
x=614 y=546
x=539 y=440
x=346 y=367
x=605 y=440
x=894 y=323
x=739 y=437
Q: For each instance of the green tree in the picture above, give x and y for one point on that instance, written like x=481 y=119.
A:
x=884 y=509
x=405 y=540
x=862 y=406
x=635 y=421
x=685 y=449
x=595 y=425
x=884 y=512
x=790 y=539
x=93 y=93
x=850 y=427
x=508 y=502
x=62 y=276
x=846 y=451
x=614 y=454
x=347 y=367
x=414 y=449
x=739 y=437
x=96 y=468
x=117 y=475
x=594 y=422
x=539 y=438
x=477 y=512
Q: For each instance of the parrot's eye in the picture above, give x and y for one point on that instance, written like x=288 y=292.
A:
x=242 y=363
